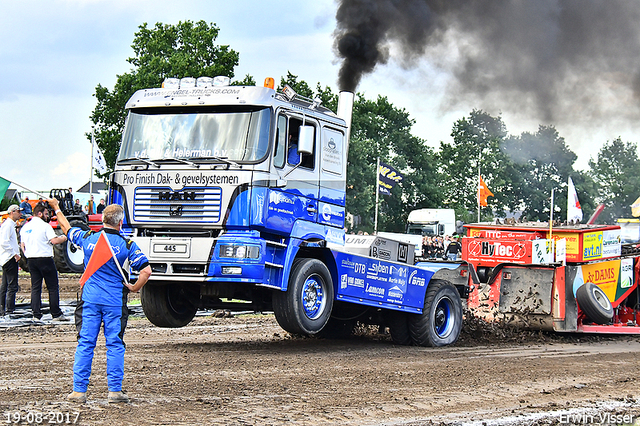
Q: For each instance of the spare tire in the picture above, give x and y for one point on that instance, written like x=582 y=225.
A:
x=594 y=303
x=67 y=256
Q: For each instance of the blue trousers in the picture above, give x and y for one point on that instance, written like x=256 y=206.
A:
x=89 y=317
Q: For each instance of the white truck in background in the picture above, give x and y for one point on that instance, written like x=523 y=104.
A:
x=432 y=222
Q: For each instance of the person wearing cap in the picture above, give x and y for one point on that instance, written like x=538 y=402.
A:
x=27 y=211
x=37 y=238
x=9 y=257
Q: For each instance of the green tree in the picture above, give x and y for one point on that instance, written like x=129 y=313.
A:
x=186 y=49
x=477 y=142
x=542 y=162
x=326 y=96
x=381 y=130
x=616 y=172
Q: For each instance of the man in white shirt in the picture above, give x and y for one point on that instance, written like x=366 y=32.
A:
x=9 y=257
x=37 y=238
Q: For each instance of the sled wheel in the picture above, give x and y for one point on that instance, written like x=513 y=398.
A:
x=306 y=306
x=441 y=319
x=594 y=303
x=167 y=305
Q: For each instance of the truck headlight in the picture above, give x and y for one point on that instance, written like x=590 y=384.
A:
x=239 y=252
x=231 y=270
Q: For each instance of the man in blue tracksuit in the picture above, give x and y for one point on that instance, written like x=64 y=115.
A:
x=104 y=300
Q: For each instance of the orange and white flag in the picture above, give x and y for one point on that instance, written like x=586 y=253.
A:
x=483 y=192
x=102 y=253
x=574 y=211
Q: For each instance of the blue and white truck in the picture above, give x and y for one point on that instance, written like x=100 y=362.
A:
x=237 y=194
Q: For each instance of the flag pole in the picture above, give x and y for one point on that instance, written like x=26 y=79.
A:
x=91 y=174
x=551 y=216
x=40 y=194
x=568 y=199
x=478 y=191
x=375 y=220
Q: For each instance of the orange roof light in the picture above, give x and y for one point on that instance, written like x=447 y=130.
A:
x=269 y=82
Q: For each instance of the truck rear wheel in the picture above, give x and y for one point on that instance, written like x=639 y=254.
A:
x=441 y=319
x=167 y=305
x=594 y=303
x=67 y=256
x=306 y=306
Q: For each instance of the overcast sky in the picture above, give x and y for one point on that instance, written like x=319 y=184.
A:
x=55 y=52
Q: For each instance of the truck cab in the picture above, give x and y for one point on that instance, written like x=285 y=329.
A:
x=431 y=222
x=221 y=185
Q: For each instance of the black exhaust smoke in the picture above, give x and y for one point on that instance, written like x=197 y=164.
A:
x=555 y=60
x=365 y=28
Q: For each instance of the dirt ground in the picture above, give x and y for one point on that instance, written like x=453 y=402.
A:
x=245 y=370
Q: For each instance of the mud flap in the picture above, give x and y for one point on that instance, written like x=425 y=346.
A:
x=526 y=295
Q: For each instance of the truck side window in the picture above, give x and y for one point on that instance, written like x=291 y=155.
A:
x=281 y=142
x=293 y=158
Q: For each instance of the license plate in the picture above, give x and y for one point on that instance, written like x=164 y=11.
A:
x=170 y=248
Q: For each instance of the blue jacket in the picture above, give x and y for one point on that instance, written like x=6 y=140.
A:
x=106 y=285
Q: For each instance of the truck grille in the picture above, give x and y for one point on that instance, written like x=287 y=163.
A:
x=190 y=205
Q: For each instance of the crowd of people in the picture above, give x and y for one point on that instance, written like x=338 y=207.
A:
x=441 y=247
x=37 y=239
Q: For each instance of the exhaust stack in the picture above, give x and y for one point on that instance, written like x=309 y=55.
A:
x=345 y=111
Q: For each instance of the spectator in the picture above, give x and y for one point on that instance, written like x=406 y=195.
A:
x=9 y=257
x=438 y=247
x=101 y=206
x=431 y=248
x=77 y=207
x=91 y=208
x=453 y=249
x=37 y=240
x=26 y=207
x=104 y=301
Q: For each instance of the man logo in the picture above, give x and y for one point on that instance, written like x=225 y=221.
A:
x=175 y=210
x=177 y=196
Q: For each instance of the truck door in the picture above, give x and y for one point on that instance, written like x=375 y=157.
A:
x=333 y=174
x=297 y=197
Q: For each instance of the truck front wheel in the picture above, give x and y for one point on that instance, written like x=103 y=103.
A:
x=167 y=305
x=306 y=306
x=441 y=319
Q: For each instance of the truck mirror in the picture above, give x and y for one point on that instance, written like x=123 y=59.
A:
x=305 y=139
x=440 y=229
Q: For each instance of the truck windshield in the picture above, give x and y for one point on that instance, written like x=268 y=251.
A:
x=428 y=230
x=236 y=135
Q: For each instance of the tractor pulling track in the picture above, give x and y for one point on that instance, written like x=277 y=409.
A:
x=246 y=370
